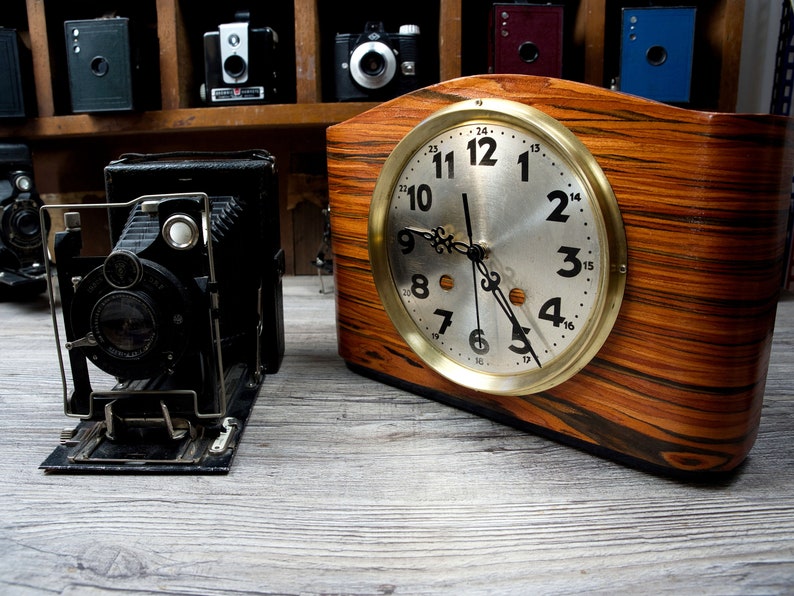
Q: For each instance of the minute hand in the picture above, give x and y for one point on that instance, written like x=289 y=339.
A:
x=490 y=283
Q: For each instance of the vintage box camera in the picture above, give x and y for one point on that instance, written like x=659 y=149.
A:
x=240 y=63
x=375 y=65
x=526 y=39
x=112 y=64
x=16 y=76
x=22 y=232
x=185 y=311
x=657 y=51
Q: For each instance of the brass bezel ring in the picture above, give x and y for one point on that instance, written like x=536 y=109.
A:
x=593 y=334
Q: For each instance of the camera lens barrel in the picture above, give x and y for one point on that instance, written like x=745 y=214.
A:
x=234 y=66
x=139 y=314
x=125 y=324
x=20 y=225
x=373 y=64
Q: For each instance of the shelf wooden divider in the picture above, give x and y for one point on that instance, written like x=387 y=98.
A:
x=42 y=73
x=307 y=44
x=449 y=39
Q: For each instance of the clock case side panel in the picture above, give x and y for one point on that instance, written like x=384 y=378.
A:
x=679 y=384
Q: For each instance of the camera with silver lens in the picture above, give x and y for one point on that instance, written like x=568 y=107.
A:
x=374 y=64
x=22 y=252
x=182 y=318
x=240 y=63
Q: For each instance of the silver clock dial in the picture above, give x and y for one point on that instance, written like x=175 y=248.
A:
x=493 y=247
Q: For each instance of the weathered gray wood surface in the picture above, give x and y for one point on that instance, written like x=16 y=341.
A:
x=345 y=486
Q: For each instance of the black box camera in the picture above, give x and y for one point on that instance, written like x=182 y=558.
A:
x=16 y=76
x=112 y=65
x=240 y=63
x=22 y=232
x=375 y=65
x=185 y=312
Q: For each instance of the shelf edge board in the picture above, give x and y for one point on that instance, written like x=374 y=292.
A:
x=266 y=116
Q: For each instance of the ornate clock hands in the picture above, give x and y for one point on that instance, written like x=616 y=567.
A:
x=443 y=242
x=438 y=238
x=490 y=283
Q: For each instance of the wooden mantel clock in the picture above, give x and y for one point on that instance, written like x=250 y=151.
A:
x=583 y=263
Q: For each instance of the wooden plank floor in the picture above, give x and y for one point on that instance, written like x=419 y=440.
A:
x=345 y=486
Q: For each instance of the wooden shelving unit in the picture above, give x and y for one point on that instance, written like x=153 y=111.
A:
x=458 y=26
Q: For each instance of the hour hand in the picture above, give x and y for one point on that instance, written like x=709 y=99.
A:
x=438 y=238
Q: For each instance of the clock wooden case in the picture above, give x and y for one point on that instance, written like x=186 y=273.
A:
x=664 y=363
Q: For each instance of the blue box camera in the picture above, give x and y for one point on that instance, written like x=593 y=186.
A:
x=656 y=52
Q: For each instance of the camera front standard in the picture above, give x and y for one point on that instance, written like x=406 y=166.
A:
x=22 y=252
x=240 y=63
x=184 y=313
x=375 y=65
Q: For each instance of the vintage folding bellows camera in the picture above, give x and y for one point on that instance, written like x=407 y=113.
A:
x=376 y=65
x=184 y=311
x=240 y=63
x=22 y=254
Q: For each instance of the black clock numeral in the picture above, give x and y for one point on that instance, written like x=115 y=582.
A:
x=558 y=214
x=449 y=159
x=421 y=197
x=550 y=311
x=520 y=336
x=523 y=161
x=487 y=159
x=570 y=258
x=446 y=315
x=420 y=287
x=478 y=343
x=406 y=240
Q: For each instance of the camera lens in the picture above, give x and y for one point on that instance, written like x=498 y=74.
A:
x=124 y=324
x=528 y=52
x=26 y=224
x=656 y=55
x=100 y=66
x=142 y=330
x=373 y=65
x=21 y=228
x=234 y=66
